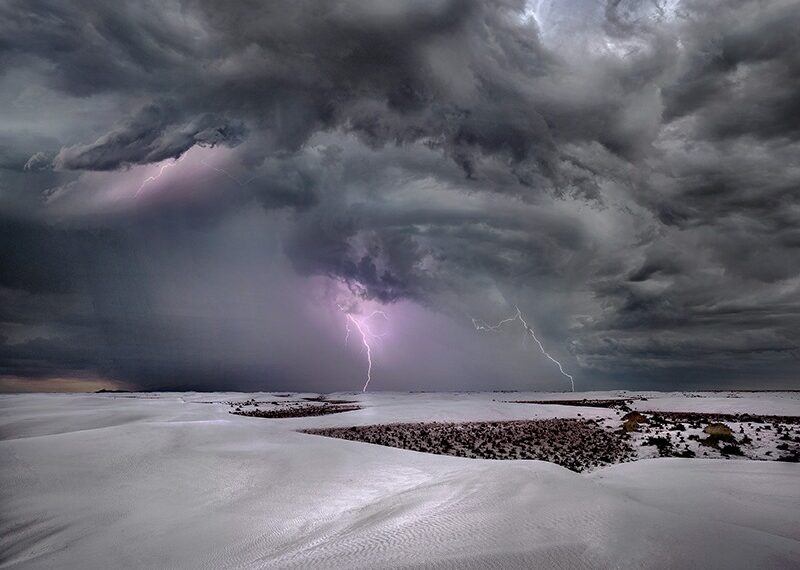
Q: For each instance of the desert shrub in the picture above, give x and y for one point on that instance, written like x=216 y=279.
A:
x=718 y=430
x=663 y=444
x=631 y=421
x=634 y=416
x=718 y=433
x=731 y=450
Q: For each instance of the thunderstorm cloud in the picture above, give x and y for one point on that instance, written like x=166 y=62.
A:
x=187 y=188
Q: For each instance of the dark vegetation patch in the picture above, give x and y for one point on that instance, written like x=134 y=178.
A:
x=575 y=444
x=618 y=404
x=703 y=417
x=581 y=444
x=791 y=457
x=667 y=432
x=327 y=401
x=252 y=402
x=731 y=449
x=663 y=444
x=297 y=411
x=718 y=432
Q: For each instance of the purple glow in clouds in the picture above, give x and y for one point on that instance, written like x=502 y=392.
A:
x=367 y=336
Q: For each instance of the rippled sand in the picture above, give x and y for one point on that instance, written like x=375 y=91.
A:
x=176 y=481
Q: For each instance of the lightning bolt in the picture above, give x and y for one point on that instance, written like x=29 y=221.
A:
x=150 y=179
x=155 y=177
x=367 y=336
x=347 y=328
x=483 y=326
x=229 y=175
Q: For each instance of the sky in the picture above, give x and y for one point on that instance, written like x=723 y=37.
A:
x=198 y=195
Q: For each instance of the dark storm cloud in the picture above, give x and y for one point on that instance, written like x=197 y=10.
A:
x=631 y=177
x=741 y=68
x=152 y=135
x=468 y=77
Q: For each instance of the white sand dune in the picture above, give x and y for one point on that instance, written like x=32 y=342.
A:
x=165 y=481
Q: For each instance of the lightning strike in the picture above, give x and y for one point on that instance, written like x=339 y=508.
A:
x=366 y=336
x=155 y=177
x=224 y=172
x=483 y=326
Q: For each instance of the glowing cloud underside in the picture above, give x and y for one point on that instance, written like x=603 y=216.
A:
x=482 y=326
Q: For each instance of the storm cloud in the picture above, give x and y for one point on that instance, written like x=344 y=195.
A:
x=187 y=190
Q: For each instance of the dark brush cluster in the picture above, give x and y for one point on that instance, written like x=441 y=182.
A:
x=298 y=411
x=702 y=417
x=327 y=401
x=667 y=432
x=616 y=403
x=252 y=402
x=575 y=444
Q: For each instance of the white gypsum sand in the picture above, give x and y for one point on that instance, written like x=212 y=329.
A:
x=176 y=481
